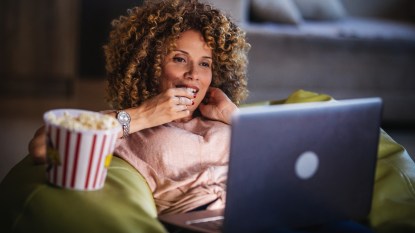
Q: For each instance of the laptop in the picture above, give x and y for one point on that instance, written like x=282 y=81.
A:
x=296 y=165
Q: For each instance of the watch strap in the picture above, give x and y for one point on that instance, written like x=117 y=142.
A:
x=126 y=130
x=125 y=125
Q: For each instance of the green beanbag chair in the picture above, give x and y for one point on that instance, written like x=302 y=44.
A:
x=29 y=204
x=125 y=204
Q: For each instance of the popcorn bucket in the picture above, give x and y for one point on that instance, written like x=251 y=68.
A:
x=80 y=144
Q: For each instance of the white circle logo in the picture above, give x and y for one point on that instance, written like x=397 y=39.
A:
x=306 y=165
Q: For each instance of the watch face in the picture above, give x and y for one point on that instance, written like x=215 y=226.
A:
x=123 y=117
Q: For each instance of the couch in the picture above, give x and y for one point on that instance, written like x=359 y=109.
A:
x=125 y=204
x=346 y=48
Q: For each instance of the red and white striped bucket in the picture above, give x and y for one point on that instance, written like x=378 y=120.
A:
x=78 y=159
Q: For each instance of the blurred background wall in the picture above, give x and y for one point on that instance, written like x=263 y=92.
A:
x=47 y=44
x=50 y=57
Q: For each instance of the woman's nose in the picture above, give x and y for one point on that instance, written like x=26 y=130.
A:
x=192 y=71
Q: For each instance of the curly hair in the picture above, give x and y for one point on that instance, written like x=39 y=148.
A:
x=140 y=40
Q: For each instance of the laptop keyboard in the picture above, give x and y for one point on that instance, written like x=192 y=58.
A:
x=211 y=224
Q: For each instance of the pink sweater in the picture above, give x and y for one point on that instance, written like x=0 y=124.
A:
x=185 y=164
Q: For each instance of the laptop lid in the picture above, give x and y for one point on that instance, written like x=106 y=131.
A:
x=298 y=165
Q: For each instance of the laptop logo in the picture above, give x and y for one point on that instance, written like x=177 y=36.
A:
x=306 y=165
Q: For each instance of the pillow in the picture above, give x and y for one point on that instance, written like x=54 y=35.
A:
x=321 y=9
x=276 y=11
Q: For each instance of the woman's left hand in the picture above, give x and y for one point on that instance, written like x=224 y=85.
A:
x=217 y=106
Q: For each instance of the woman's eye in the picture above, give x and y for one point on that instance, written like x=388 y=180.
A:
x=179 y=59
x=205 y=64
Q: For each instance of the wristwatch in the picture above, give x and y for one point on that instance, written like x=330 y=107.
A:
x=124 y=118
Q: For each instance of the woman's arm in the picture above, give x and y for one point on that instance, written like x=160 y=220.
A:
x=159 y=110
x=163 y=108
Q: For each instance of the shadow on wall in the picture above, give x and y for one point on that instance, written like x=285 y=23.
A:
x=96 y=17
x=47 y=44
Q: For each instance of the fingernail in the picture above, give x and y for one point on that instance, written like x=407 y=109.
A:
x=193 y=103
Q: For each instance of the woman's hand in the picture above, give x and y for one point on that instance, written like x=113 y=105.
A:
x=37 y=146
x=217 y=106
x=166 y=107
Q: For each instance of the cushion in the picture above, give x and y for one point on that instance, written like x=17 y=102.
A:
x=29 y=204
x=276 y=11
x=321 y=9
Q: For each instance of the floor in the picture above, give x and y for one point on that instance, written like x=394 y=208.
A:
x=21 y=116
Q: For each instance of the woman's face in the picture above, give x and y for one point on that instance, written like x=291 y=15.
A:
x=189 y=65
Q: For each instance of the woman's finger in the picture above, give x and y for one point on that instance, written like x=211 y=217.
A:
x=181 y=100
x=37 y=146
x=180 y=108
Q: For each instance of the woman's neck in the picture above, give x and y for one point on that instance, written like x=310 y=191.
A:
x=196 y=113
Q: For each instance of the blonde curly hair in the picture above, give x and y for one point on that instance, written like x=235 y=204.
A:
x=140 y=40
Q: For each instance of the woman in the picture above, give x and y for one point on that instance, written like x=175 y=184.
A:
x=178 y=71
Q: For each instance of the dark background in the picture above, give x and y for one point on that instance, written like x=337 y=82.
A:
x=95 y=24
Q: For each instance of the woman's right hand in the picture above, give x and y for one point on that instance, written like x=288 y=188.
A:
x=37 y=146
x=166 y=107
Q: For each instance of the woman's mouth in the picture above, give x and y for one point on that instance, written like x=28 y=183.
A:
x=192 y=89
